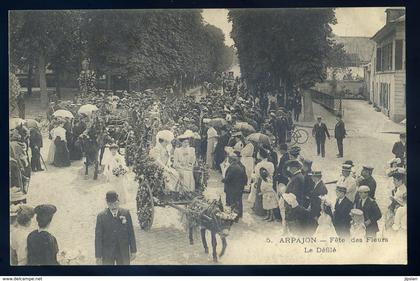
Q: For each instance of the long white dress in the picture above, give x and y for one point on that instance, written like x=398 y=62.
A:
x=211 y=145
x=247 y=160
x=184 y=160
x=117 y=183
x=325 y=227
x=51 y=149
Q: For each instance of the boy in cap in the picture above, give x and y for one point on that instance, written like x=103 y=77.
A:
x=346 y=180
x=19 y=234
x=341 y=215
x=42 y=245
x=320 y=132
x=370 y=210
x=115 y=242
x=358 y=228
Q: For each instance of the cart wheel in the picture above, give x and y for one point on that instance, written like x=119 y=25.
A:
x=301 y=136
x=145 y=206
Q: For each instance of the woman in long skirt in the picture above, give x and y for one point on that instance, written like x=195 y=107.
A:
x=61 y=156
x=248 y=160
x=211 y=146
x=184 y=161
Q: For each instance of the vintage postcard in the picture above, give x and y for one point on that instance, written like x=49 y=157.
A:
x=208 y=136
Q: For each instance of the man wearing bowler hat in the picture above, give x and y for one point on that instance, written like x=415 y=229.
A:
x=370 y=210
x=115 y=242
x=296 y=184
x=320 y=133
x=341 y=216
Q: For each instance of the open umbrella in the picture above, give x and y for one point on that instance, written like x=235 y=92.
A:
x=259 y=138
x=15 y=122
x=217 y=122
x=244 y=126
x=63 y=113
x=87 y=109
x=32 y=123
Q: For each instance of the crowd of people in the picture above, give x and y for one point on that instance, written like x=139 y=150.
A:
x=245 y=137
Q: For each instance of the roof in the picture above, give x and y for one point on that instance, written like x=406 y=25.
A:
x=360 y=49
x=387 y=28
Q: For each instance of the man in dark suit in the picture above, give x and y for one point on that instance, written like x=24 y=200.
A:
x=370 y=210
x=280 y=175
x=320 y=133
x=115 y=242
x=341 y=216
x=296 y=184
x=313 y=197
x=399 y=149
x=340 y=134
x=234 y=183
x=35 y=143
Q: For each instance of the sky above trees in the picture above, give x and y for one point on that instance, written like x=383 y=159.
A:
x=350 y=21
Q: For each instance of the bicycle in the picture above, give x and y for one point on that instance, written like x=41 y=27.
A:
x=299 y=136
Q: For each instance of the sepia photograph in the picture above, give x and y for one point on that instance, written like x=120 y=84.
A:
x=237 y=136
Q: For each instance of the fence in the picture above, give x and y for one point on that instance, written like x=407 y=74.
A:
x=330 y=102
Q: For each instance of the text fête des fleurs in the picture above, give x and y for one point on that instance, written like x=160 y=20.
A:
x=312 y=243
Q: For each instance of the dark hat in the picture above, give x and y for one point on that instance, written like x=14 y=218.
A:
x=349 y=162
x=294 y=150
x=341 y=188
x=398 y=173
x=307 y=162
x=293 y=163
x=316 y=174
x=111 y=196
x=283 y=146
x=319 y=117
x=368 y=168
x=339 y=115
x=45 y=210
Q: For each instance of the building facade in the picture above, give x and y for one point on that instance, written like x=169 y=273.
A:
x=386 y=72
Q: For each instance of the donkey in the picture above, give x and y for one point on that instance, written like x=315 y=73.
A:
x=212 y=220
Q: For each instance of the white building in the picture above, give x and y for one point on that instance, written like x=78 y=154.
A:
x=386 y=72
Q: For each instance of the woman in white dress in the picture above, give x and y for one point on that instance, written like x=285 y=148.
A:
x=325 y=227
x=115 y=172
x=211 y=145
x=248 y=161
x=184 y=161
x=51 y=149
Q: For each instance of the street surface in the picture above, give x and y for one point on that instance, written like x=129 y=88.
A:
x=79 y=200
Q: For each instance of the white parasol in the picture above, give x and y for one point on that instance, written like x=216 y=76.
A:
x=165 y=135
x=15 y=122
x=63 y=113
x=87 y=109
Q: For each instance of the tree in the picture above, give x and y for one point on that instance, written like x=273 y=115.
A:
x=42 y=38
x=283 y=49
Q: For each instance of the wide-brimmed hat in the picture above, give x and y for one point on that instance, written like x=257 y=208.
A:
x=368 y=168
x=346 y=167
x=356 y=212
x=113 y=146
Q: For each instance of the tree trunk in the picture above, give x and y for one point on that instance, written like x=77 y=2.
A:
x=308 y=111
x=30 y=74
x=42 y=80
x=58 y=84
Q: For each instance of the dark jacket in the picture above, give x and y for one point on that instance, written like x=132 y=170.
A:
x=280 y=172
x=42 y=248
x=341 y=217
x=340 y=130
x=314 y=201
x=399 y=150
x=371 y=212
x=320 y=131
x=297 y=187
x=35 y=138
x=114 y=236
x=235 y=179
